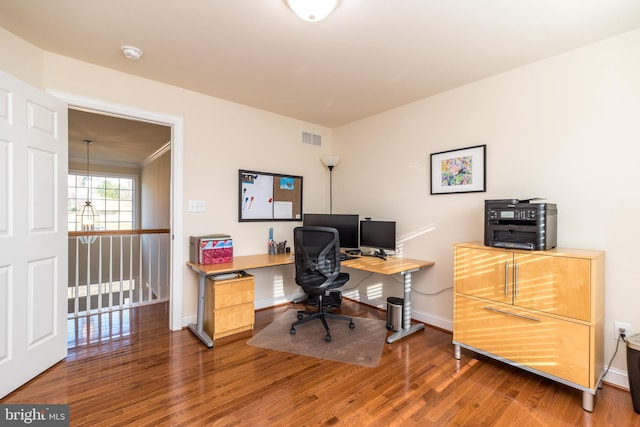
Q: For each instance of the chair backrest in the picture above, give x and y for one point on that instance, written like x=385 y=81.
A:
x=317 y=257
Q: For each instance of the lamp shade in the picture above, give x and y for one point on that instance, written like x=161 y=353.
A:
x=330 y=161
x=312 y=10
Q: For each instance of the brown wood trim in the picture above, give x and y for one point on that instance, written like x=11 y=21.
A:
x=119 y=232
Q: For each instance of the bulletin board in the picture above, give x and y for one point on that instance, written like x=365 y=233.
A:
x=269 y=196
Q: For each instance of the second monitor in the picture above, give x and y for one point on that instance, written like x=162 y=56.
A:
x=378 y=235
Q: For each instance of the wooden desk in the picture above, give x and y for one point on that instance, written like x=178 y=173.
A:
x=390 y=266
x=239 y=263
x=393 y=265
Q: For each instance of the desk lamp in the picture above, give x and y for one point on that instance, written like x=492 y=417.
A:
x=330 y=162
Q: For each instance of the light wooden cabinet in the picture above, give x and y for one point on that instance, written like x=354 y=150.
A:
x=228 y=307
x=539 y=310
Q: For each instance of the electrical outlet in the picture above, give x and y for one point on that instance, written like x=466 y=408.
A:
x=621 y=325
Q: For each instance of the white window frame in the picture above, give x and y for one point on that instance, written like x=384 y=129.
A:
x=134 y=196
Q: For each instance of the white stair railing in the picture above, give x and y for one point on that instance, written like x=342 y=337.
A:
x=120 y=269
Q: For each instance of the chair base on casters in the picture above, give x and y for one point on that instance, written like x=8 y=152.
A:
x=322 y=315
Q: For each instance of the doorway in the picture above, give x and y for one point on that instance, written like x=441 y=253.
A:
x=176 y=143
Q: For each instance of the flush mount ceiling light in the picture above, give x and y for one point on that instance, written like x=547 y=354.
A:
x=131 y=52
x=312 y=10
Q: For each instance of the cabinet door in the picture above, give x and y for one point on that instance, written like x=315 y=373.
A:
x=483 y=273
x=553 y=284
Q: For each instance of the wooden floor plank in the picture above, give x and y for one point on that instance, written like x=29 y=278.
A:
x=134 y=371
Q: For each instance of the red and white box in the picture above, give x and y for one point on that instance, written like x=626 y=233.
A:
x=211 y=249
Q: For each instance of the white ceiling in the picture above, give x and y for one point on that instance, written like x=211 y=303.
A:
x=367 y=57
x=115 y=141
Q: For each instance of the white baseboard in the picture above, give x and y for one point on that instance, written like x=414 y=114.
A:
x=617 y=377
x=187 y=320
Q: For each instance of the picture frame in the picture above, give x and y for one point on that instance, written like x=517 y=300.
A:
x=463 y=170
x=266 y=196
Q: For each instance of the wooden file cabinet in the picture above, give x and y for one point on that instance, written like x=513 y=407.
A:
x=538 y=310
x=229 y=306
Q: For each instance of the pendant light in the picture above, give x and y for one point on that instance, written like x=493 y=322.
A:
x=88 y=215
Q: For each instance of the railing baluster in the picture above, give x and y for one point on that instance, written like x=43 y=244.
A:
x=130 y=293
x=141 y=279
x=149 y=271
x=157 y=280
x=99 y=274
x=158 y=263
x=120 y=302
x=88 y=284
x=110 y=271
x=76 y=298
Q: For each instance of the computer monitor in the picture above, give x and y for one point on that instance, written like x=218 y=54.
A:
x=346 y=224
x=378 y=235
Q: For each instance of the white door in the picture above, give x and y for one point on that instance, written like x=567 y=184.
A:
x=33 y=232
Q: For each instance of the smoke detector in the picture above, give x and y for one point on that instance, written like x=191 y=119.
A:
x=131 y=52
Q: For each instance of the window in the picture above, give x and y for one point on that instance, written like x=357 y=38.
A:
x=112 y=196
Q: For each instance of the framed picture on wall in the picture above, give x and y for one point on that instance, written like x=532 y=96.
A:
x=459 y=171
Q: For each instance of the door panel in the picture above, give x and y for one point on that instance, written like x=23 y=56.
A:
x=558 y=285
x=33 y=235
x=483 y=273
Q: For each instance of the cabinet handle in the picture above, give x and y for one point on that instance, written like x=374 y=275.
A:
x=506 y=278
x=516 y=282
x=522 y=316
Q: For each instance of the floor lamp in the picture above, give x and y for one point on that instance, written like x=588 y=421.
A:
x=330 y=162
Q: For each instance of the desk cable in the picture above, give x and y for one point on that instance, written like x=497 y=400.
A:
x=423 y=293
x=398 y=281
x=432 y=293
x=357 y=284
x=621 y=338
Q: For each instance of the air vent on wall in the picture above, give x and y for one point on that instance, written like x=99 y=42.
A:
x=311 y=138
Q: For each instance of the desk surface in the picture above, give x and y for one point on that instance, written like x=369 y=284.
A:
x=244 y=262
x=392 y=265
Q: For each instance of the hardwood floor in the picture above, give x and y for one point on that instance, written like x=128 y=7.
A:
x=129 y=369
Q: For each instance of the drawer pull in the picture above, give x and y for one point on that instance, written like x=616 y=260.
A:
x=511 y=314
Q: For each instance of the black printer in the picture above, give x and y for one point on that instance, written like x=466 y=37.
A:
x=520 y=224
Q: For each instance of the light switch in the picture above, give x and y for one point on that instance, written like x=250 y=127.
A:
x=197 y=206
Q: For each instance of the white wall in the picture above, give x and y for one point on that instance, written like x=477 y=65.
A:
x=155 y=193
x=566 y=128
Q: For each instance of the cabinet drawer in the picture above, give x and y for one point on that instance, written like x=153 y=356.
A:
x=230 y=320
x=231 y=292
x=556 y=347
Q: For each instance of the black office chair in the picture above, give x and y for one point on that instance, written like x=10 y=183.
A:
x=317 y=263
